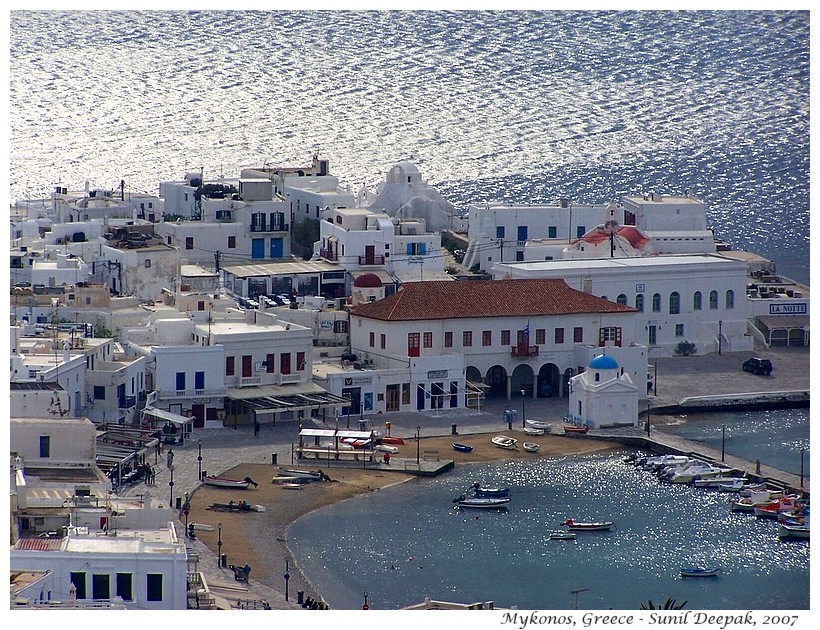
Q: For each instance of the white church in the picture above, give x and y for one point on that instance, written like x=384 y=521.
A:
x=603 y=396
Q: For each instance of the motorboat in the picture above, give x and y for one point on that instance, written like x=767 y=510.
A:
x=486 y=503
x=588 y=526
x=576 y=428
x=748 y=504
x=392 y=440
x=356 y=442
x=563 y=536
x=732 y=486
x=693 y=472
x=785 y=530
x=533 y=431
x=462 y=448
x=231 y=484
x=698 y=571
x=657 y=462
x=715 y=482
x=504 y=441
x=531 y=447
x=387 y=448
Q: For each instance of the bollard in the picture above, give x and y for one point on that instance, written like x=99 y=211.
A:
x=455 y=431
x=273 y=459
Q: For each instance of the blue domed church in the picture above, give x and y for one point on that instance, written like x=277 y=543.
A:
x=603 y=395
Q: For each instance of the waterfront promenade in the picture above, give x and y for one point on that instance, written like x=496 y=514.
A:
x=678 y=378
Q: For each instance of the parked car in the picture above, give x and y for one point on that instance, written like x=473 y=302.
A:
x=284 y=299
x=756 y=365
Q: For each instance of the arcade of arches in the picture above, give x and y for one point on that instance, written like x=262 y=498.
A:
x=548 y=382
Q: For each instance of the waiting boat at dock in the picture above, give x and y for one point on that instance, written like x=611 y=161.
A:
x=533 y=431
x=462 y=448
x=575 y=428
x=392 y=440
x=232 y=484
x=537 y=424
x=793 y=531
x=481 y=491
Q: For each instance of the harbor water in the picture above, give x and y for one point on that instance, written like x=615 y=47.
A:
x=517 y=106
x=409 y=542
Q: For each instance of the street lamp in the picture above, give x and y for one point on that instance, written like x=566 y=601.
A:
x=720 y=337
x=523 y=408
x=287 y=578
x=418 y=446
x=171 y=487
x=723 y=445
x=199 y=461
x=186 y=511
x=219 y=545
x=648 y=412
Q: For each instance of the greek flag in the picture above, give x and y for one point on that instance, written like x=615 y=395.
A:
x=527 y=331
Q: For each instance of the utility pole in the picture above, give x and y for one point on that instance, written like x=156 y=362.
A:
x=217 y=256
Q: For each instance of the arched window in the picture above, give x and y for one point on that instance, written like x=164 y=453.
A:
x=697 y=301
x=621 y=299
x=674 y=303
x=713 y=300
x=730 y=299
x=639 y=302
x=656 y=303
x=597 y=377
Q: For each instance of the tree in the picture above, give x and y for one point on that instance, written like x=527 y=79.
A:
x=669 y=604
x=305 y=234
x=684 y=349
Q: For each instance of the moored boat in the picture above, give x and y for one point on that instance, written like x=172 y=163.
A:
x=588 y=526
x=537 y=424
x=486 y=503
x=232 y=484
x=576 y=428
x=295 y=472
x=533 y=431
x=481 y=491
x=462 y=448
x=392 y=440
x=504 y=441
x=387 y=448
x=698 y=571
x=563 y=536
x=531 y=447
x=785 y=530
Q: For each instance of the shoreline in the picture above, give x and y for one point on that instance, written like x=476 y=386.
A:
x=259 y=539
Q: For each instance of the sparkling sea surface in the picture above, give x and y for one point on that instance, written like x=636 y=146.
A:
x=408 y=542
x=518 y=106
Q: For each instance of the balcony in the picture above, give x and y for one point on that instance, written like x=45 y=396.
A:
x=127 y=402
x=328 y=254
x=371 y=260
x=250 y=380
x=524 y=351
x=269 y=227
x=169 y=394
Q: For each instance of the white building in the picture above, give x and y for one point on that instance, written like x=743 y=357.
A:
x=138 y=263
x=603 y=395
x=699 y=299
x=510 y=335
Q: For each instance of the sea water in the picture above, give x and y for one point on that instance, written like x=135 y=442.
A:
x=408 y=542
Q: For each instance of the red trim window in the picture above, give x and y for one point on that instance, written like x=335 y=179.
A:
x=270 y=363
x=284 y=363
x=413 y=344
x=230 y=368
x=428 y=340
x=300 y=361
x=448 y=339
x=505 y=337
x=487 y=338
x=467 y=338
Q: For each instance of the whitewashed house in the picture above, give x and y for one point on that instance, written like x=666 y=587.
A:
x=699 y=299
x=603 y=395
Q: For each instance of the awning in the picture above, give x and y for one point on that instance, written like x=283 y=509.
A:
x=281 y=398
x=165 y=416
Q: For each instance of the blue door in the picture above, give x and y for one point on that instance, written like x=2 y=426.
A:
x=276 y=248
x=258 y=248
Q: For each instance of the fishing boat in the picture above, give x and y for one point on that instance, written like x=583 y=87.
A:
x=715 y=482
x=531 y=447
x=785 y=530
x=588 y=526
x=232 y=484
x=231 y=506
x=485 y=503
x=537 y=424
x=576 y=428
x=294 y=472
x=698 y=571
x=462 y=448
x=563 y=536
x=533 y=431
x=733 y=486
x=504 y=441
x=392 y=440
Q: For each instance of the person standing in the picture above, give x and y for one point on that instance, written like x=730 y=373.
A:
x=256 y=428
x=170 y=458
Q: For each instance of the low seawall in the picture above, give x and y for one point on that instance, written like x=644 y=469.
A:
x=736 y=402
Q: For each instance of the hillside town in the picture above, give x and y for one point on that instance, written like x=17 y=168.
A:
x=281 y=297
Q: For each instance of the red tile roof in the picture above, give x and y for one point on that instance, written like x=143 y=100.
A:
x=485 y=298
x=38 y=544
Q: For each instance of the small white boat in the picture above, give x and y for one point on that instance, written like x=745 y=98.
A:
x=485 y=503
x=533 y=431
x=387 y=448
x=716 y=482
x=531 y=447
x=699 y=571
x=563 y=536
x=504 y=441
x=232 y=484
x=793 y=531
x=588 y=527
x=537 y=424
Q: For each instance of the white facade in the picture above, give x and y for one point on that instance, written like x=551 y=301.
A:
x=699 y=299
x=62 y=269
x=142 y=271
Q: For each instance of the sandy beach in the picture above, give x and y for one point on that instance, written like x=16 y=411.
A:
x=259 y=538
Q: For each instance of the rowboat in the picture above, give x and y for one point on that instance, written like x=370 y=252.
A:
x=537 y=424
x=387 y=448
x=294 y=472
x=532 y=431
x=232 y=484
x=699 y=571
x=576 y=428
x=562 y=536
x=588 y=527
x=786 y=530
x=503 y=441
x=242 y=506
x=392 y=440
x=463 y=448
x=481 y=491
x=531 y=447
x=486 y=503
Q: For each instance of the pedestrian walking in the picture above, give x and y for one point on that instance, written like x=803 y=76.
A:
x=256 y=427
x=170 y=458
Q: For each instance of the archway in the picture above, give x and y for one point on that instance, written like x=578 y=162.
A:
x=549 y=382
x=497 y=380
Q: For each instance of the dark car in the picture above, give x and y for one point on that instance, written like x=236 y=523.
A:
x=756 y=365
